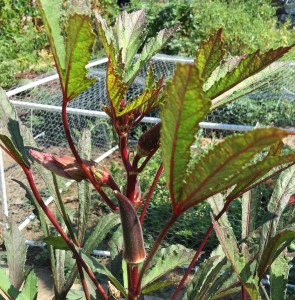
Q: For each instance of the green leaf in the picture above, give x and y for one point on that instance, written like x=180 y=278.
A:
x=30 y=290
x=9 y=147
x=51 y=12
x=16 y=254
x=101 y=269
x=228 y=163
x=183 y=110
x=79 y=43
x=10 y=129
x=227 y=293
x=129 y=32
x=262 y=170
x=248 y=66
x=165 y=260
x=247 y=86
x=279 y=272
x=241 y=267
x=106 y=38
x=284 y=188
x=103 y=227
x=217 y=203
x=153 y=46
x=116 y=88
x=209 y=54
x=57 y=242
x=272 y=249
x=206 y=274
x=14 y=129
x=146 y=100
x=155 y=286
x=6 y=287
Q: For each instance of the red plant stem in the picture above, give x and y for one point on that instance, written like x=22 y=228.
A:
x=55 y=223
x=83 y=281
x=132 y=188
x=133 y=275
x=244 y=292
x=196 y=256
x=153 y=251
x=79 y=160
x=147 y=159
x=123 y=140
x=151 y=191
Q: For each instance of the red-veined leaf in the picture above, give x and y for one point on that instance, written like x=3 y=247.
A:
x=183 y=110
x=209 y=54
x=228 y=163
x=271 y=249
x=248 y=66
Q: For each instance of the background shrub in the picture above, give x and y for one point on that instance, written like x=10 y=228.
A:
x=248 y=25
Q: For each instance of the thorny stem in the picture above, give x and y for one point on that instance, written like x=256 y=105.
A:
x=153 y=251
x=151 y=191
x=204 y=241
x=79 y=160
x=84 y=283
x=55 y=223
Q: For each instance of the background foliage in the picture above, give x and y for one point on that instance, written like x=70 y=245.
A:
x=248 y=25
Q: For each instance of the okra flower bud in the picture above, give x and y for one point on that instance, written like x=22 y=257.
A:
x=64 y=166
x=101 y=176
x=149 y=140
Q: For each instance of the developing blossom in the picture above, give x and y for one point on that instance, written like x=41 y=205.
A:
x=102 y=176
x=64 y=166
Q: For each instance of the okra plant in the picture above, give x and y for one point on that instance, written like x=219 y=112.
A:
x=231 y=169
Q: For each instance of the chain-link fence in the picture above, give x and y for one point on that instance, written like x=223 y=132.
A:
x=39 y=108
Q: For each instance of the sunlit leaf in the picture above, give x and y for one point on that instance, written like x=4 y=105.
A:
x=183 y=110
x=145 y=100
x=150 y=49
x=261 y=170
x=248 y=66
x=226 y=164
x=209 y=54
x=106 y=38
x=79 y=43
x=51 y=12
x=129 y=33
x=116 y=88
